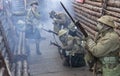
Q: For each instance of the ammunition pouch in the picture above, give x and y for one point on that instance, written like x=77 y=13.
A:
x=111 y=66
x=90 y=60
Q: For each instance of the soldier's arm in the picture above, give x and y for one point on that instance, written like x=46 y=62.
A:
x=36 y=14
x=69 y=46
x=105 y=46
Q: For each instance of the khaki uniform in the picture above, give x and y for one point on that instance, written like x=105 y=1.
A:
x=73 y=45
x=32 y=31
x=70 y=43
x=107 y=42
x=71 y=50
x=106 y=48
x=73 y=53
x=56 y=28
x=61 y=20
x=32 y=16
x=32 y=21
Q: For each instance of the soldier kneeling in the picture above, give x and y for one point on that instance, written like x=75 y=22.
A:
x=71 y=50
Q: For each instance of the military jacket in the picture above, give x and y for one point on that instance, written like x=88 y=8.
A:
x=107 y=42
x=106 y=48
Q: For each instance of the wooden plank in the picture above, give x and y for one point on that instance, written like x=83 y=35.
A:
x=93 y=18
x=113 y=9
x=90 y=7
x=87 y=19
x=114 y=3
x=98 y=4
x=111 y=13
x=86 y=27
x=87 y=23
x=87 y=10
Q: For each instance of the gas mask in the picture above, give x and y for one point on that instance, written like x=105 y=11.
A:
x=34 y=7
x=100 y=26
x=63 y=38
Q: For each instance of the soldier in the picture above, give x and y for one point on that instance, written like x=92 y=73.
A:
x=61 y=20
x=105 y=47
x=72 y=51
x=32 y=21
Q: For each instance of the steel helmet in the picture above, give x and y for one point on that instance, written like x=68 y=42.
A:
x=52 y=13
x=108 y=20
x=62 y=32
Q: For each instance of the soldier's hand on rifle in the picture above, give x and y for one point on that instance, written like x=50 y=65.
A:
x=83 y=43
x=89 y=42
x=77 y=22
x=86 y=41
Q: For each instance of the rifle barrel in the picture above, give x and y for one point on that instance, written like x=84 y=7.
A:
x=76 y=23
x=67 y=12
x=81 y=29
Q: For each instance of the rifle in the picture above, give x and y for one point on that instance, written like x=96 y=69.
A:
x=50 y=31
x=75 y=33
x=79 y=26
x=60 y=48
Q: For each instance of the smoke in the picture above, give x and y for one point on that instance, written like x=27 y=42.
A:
x=48 y=5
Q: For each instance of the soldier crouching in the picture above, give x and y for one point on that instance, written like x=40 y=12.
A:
x=71 y=50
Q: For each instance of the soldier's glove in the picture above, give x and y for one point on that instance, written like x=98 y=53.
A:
x=83 y=43
x=90 y=43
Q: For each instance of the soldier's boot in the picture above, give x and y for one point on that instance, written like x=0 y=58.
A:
x=38 y=48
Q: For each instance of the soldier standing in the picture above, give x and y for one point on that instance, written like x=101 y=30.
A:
x=32 y=22
x=60 y=20
x=106 y=47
